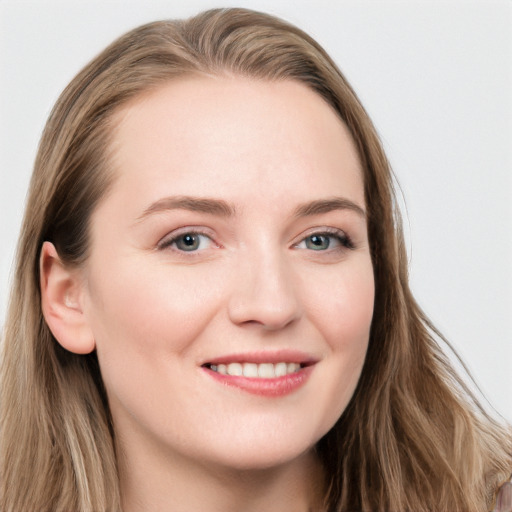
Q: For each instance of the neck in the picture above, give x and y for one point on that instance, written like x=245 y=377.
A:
x=173 y=484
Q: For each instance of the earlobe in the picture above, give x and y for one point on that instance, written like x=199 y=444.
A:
x=61 y=302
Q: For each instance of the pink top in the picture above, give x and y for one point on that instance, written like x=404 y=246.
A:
x=504 y=498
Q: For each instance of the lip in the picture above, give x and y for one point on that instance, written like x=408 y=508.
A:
x=277 y=356
x=272 y=387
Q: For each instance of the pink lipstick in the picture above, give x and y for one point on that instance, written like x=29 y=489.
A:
x=267 y=374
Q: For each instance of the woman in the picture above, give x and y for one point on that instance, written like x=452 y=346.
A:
x=212 y=293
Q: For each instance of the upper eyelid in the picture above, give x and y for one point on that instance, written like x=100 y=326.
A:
x=344 y=239
x=321 y=230
x=202 y=230
x=171 y=237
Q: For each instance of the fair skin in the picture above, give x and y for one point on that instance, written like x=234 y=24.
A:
x=235 y=232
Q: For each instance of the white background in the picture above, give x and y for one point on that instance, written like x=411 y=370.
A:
x=434 y=76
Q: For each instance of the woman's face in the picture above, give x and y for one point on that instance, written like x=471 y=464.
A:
x=234 y=240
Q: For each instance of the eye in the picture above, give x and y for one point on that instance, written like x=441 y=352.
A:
x=324 y=241
x=187 y=242
x=318 y=242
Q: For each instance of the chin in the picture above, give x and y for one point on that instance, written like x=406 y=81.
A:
x=261 y=454
x=263 y=461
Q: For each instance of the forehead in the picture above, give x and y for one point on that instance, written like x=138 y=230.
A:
x=217 y=134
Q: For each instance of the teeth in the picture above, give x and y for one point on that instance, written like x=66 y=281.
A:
x=234 y=369
x=252 y=370
x=266 y=371
x=280 y=369
x=291 y=367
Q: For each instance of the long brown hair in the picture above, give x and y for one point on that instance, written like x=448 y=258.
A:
x=412 y=438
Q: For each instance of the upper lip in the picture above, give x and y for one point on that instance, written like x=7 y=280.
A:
x=276 y=356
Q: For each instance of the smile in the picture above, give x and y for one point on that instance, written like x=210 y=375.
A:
x=265 y=374
x=256 y=371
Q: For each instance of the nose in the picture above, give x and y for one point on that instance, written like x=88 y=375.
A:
x=264 y=292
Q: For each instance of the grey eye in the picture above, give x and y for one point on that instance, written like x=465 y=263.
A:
x=318 y=242
x=188 y=242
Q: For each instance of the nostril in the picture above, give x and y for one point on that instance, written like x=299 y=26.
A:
x=264 y=315
x=263 y=293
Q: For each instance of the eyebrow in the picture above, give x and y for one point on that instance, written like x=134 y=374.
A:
x=222 y=208
x=194 y=204
x=328 y=205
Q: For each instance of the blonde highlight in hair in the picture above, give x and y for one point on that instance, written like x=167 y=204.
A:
x=413 y=436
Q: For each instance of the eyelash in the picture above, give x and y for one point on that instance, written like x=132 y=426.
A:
x=340 y=236
x=167 y=243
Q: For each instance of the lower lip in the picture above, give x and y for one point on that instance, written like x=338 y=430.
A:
x=278 y=386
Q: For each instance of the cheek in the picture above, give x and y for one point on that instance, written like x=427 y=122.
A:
x=350 y=317
x=146 y=322
x=343 y=308
x=147 y=309
x=343 y=315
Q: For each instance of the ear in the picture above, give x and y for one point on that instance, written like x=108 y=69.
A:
x=61 y=302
